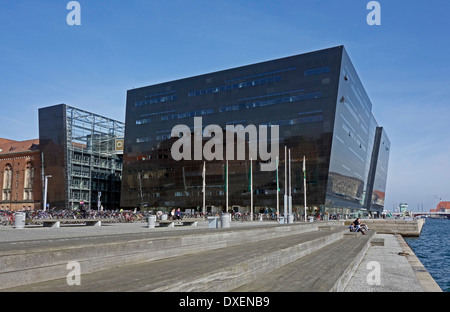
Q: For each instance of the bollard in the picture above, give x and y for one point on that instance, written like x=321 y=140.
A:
x=290 y=219
x=225 y=220
x=311 y=219
x=19 y=222
x=151 y=221
x=212 y=222
x=164 y=217
x=281 y=220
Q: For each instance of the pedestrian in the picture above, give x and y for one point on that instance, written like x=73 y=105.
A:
x=178 y=214
x=172 y=214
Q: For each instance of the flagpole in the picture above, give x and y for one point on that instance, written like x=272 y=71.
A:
x=290 y=192
x=251 y=190
x=204 y=188
x=304 y=182
x=226 y=186
x=285 y=185
x=278 y=192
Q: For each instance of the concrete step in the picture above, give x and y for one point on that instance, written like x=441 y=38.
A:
x=23 y=263
x=220 y=269
x=406 y=228
x=326 y=270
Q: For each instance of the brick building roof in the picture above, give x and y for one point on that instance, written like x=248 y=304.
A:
x=443 y=205
x=10 y=146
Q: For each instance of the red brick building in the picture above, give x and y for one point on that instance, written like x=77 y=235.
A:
x=20 y=175
x=443 y=206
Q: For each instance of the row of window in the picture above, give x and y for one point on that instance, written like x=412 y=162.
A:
x=296 y=121
x=160 y=93
x=27 y=195
x=158 y=113
x=156 y=100
x=271 y=94
x=80 y=196
x=317 y=71
x=143 y=139
x=143 y=121
x=86 y=160
x=188 y=114
x=294 y=98
x=299 y=97
x=8 y=174
x=256 y=82
x=316 y=117
x=80 y=174
x=262 y=74
x=199 y=193
x=234 y=86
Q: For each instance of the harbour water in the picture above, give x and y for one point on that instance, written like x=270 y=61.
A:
x=432 y=248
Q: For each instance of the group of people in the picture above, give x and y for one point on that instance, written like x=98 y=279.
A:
x=357 y=226
x=175 y=214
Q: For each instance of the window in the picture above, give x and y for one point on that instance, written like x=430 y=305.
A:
x=317 y=71
x=7 y=177
x=143 y=121
x=142 y=140
x=28 y=195
x=6 y=195
x=29 y=174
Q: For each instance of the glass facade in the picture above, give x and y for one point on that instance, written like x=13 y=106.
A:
x=317 y=102
x=377 y=181
x=353 y=143
x=82 y=152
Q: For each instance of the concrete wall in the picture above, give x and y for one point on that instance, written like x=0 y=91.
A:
x=406 y=228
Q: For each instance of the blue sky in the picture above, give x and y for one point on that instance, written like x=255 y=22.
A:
x=403 y=63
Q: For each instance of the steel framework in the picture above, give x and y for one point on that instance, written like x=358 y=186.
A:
x=93 y=158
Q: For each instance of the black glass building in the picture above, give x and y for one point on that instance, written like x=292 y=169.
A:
x=82 y=152
x=322 y=112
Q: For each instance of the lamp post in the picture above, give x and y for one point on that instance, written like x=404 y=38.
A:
x=45 y=190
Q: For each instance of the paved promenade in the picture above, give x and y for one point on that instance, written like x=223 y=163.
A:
x=396 y=270
x=400 y=271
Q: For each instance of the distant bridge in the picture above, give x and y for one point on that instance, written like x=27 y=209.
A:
x=431 y=214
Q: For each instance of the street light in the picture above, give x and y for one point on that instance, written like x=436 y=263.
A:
x=45 y=190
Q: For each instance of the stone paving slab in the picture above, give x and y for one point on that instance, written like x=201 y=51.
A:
x=324 y=270
x=396 y=271
x=400 y=273
x=28 y=260
x=209 y=270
